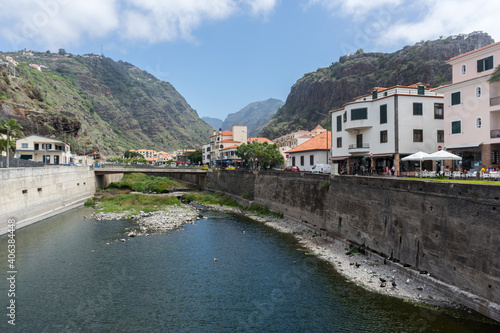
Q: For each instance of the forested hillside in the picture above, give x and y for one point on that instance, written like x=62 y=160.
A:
x=96 y=103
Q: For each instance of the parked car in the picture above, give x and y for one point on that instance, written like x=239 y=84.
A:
x=204 y=167
x=321 y=168
x=292 y=169
x=230 y=167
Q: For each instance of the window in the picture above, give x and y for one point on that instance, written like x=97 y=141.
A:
x=485 y=64
x=24 y=145
x=478 y=91
x=383 y=114
x=339 y=123
x=302 y=160
x=456 y=127
x=374 y=94
x=345 y=116
x=479 y=123
x=383 y=136
x=494 y=157
x=293 y=161
x=417 y=109
x=357 y=114
x=463 y=69
x=418 y=135
x=438 y=110
x=311 y=159
x=421 y=90
x=456 y=98
x=339 y=142
x=440 y=136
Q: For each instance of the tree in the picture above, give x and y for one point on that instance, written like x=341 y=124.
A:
x=262 y=154
x=12 y=130
x=132 y=154
x=62 y=51
x=196 y=156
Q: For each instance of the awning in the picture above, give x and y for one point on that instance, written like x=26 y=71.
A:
x=464 y=145
x=379 y=155
x=338 y=158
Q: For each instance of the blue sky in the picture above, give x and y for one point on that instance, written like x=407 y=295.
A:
x=224 y=54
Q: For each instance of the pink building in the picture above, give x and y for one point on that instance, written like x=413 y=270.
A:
x=472 y=108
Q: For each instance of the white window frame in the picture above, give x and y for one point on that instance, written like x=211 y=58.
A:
x=463 y=69
x=480 y=89
x=479 y=122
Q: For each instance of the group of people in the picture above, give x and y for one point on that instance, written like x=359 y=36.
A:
x=489 y=170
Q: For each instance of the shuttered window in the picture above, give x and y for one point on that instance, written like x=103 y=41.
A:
x=383 y=114
x=485 y=64
x=456 y=98
x=357 y=114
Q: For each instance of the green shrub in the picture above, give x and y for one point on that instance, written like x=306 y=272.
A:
x=89 y=203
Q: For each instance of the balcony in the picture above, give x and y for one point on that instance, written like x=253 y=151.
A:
x=495 y=101
x=495 y=133
x=359 y=148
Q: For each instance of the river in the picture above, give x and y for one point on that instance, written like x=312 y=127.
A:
x=221 y=274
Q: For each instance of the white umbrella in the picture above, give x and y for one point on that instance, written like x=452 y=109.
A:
x=418 y=156
x=443 y=155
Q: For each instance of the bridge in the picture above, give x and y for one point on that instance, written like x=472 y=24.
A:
x=109 y=173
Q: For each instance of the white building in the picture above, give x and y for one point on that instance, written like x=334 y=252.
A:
x=374 y=131
x=43 y=149
x=311 y=152
x=224 y=144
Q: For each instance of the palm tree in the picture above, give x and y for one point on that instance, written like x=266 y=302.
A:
x=12 y=130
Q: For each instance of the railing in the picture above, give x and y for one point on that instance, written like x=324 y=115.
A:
x=495 y=133
x=495 y=101
x=363 y=145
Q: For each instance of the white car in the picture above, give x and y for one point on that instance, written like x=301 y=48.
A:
x=321 y=168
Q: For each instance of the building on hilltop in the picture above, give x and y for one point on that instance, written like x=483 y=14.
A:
x=313 y=151
x=472 y=108
x=374 y=131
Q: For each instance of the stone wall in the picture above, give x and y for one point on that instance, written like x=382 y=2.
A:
x=451 y=230
x=236 y=182
x=28 y=195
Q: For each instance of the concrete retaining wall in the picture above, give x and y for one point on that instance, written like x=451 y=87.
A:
x=450 y=230
x=30 y=194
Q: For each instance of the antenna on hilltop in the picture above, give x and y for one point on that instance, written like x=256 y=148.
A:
x=102 y=52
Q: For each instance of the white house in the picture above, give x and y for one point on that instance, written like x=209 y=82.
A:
x=311 y=152
x=374 y=131
x=43 y=149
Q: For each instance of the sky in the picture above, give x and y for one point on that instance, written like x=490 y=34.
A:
x=222 y=55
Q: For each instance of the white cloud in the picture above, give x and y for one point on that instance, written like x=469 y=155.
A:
x=396 y=21
x=61 y=23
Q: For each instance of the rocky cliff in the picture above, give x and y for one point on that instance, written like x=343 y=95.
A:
x=312 y=96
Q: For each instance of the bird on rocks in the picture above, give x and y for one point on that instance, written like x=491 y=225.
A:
x=357 y=265
x=394 y=284
x=382 y=280
x=382 y=285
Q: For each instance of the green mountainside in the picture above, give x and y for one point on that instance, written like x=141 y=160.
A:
x=96 y=103
x=316 y=93
x=255 y=116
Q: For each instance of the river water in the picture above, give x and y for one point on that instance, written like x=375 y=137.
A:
x=75 y=275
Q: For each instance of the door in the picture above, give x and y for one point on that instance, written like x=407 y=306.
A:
x=56 y=159
x=359 y=141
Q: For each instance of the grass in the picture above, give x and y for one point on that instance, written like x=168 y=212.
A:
x=140 y=182
x=210 y=199
x=487 y=182
x=134 y=203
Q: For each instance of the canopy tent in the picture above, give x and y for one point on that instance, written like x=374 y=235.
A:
x=443 y=155
x=418 y=156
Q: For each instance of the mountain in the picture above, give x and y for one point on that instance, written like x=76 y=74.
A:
x=255 y=116
x=216 y=123
x=316 y=93
x=96 y=103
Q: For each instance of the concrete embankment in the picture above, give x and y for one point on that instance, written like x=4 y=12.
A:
x=28 y=195
x=449 y=230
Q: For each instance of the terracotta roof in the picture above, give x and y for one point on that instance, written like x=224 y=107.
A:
x=227 y=133
x=319 y=127
x=260 y=140
x=230 y=147
x=316 y=143
x=473 y=51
